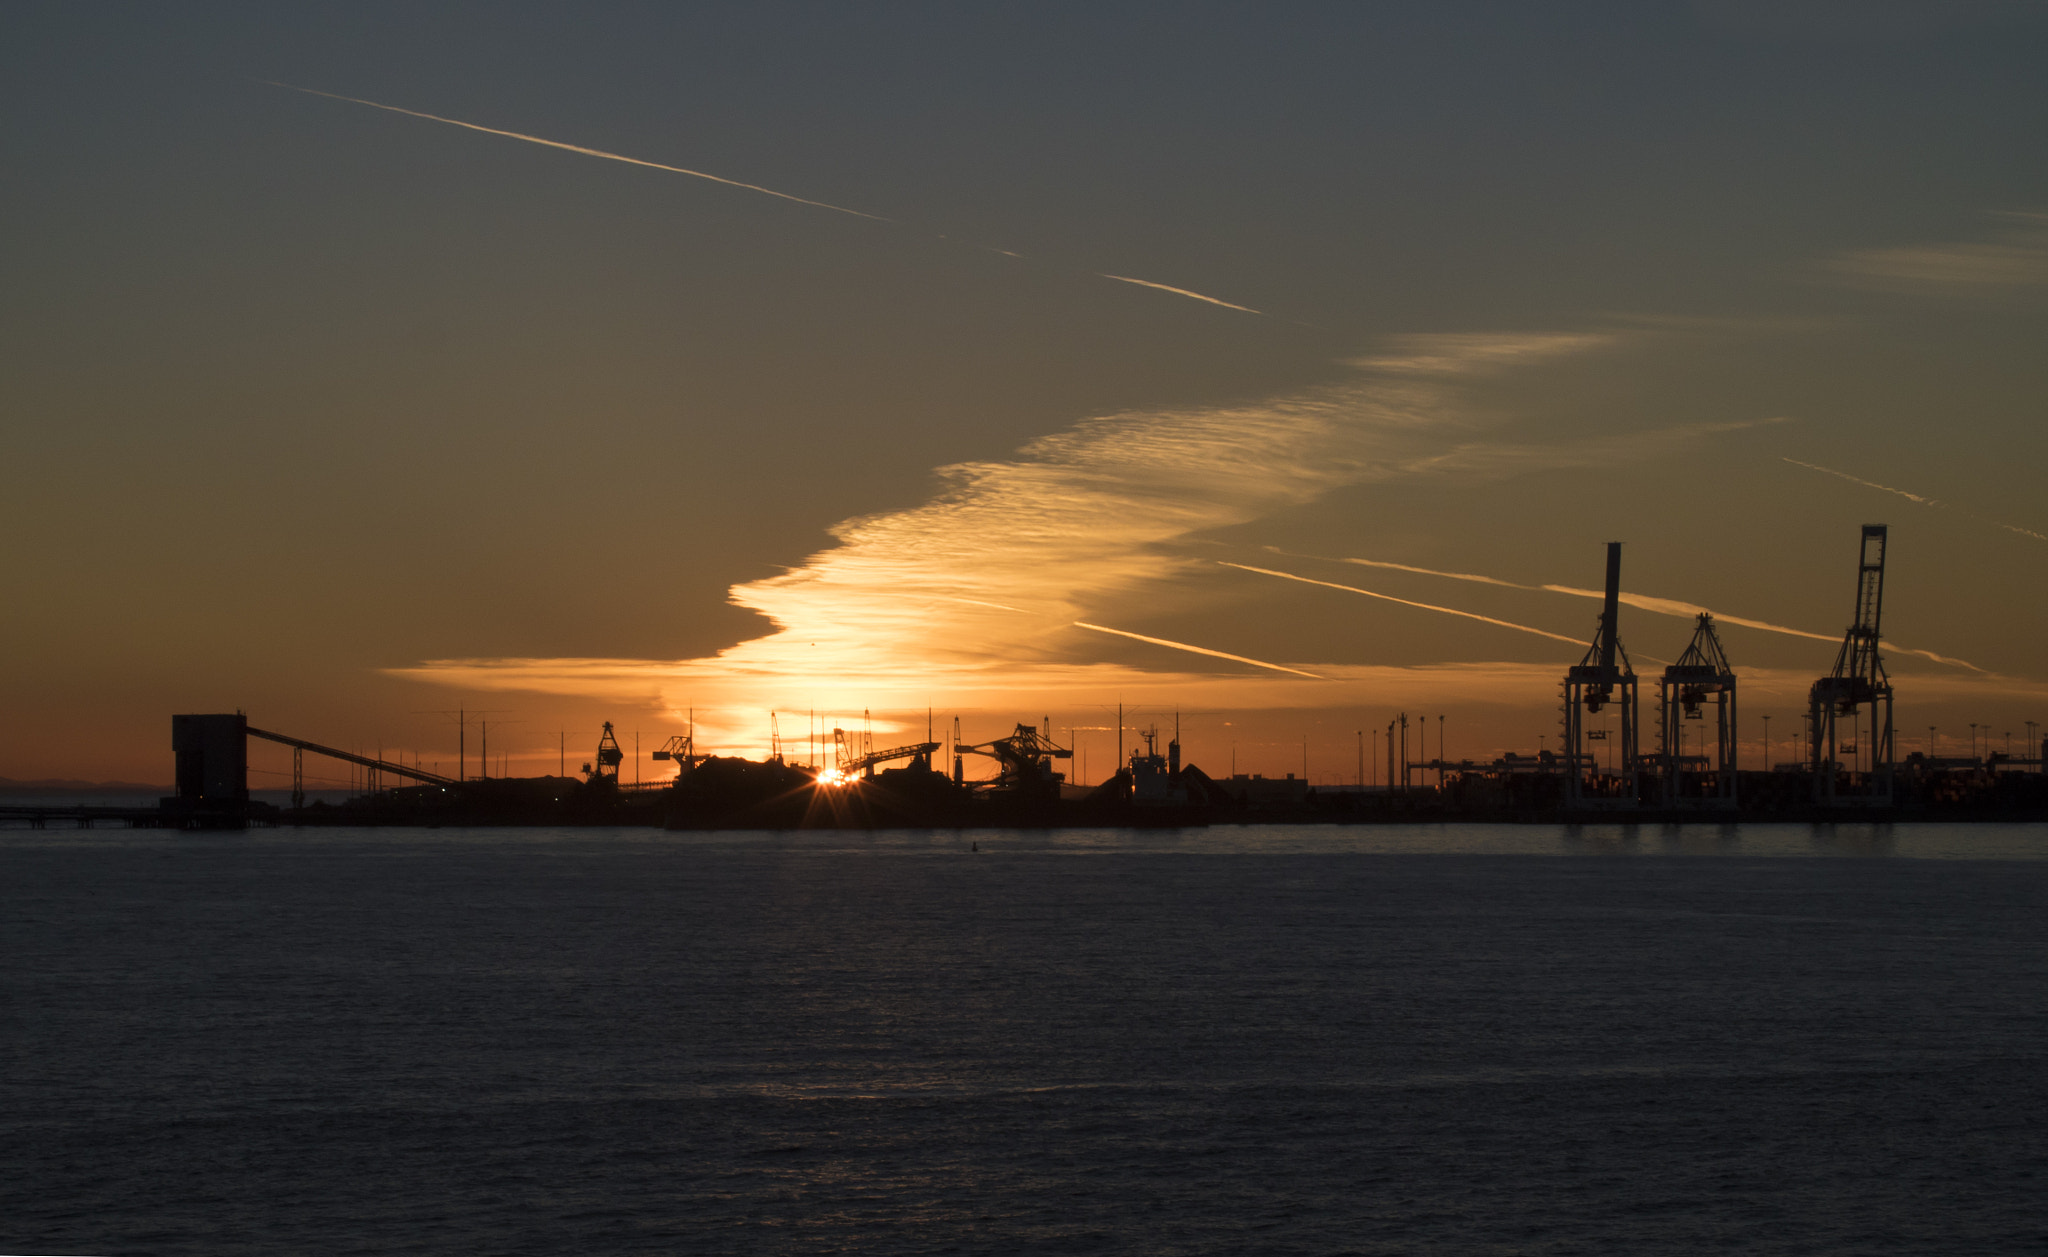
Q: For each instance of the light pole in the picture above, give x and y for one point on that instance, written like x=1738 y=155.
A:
x=1767 y=744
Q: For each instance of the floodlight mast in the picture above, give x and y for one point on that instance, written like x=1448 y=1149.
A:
x=1858 y=680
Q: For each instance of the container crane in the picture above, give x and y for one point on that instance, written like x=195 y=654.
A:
x=1858 y=681
x=1700 y=675
x=1604 y=676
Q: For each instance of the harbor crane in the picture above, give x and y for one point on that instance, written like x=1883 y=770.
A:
x=850 y=763
x=1858 y=681
x=854 y=754
x=1604 y=676
x=1701 y=675
x=609 y=757
x=1025 y=757
x=682 y=751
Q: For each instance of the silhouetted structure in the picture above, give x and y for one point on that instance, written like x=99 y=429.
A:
x=212 y=771
x=1604 y=676
x=1858 y=681
x=1700 y=675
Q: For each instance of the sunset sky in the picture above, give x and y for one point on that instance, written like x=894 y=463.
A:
x=1015 y=361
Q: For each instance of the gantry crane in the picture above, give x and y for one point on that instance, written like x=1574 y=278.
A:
x=1858 y=681
x=1026 y=758
x=605 y=766
x=851 y=763
x=1604 y=676
x=1702 y=673
x=682 y=750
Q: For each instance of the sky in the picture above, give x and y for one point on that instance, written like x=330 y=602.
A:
x=364 y=364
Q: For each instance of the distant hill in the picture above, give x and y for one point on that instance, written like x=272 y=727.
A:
x=65 y=785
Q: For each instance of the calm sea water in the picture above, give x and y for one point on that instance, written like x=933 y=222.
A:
x=1462 y=1039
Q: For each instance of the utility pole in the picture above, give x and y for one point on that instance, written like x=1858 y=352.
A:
x=1767 y=744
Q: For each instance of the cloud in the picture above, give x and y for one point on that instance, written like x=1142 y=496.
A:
x=971 y=600
x=974 y=594
x=2016 y=257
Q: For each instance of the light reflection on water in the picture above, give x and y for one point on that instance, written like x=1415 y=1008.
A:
x=1392 y=1039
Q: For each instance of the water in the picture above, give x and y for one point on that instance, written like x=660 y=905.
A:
x=1286 y=1040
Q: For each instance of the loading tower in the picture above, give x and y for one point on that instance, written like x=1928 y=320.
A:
x=1698 y=779
x=1026 y=764
x=609 y=757
x=1858 y=681
x=1604 y=676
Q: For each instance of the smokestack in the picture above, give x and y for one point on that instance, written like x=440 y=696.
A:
x=1609 y=611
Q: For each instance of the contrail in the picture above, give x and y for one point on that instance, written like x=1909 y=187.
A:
x=1484 y=619
x=587 y=152
x=1199 y=650
x=1146 y=283
x=1424 y=571
x=1936 y=503
x=1685 y=611
x=1641 y=602
x=1868 y=484
x=730 y=183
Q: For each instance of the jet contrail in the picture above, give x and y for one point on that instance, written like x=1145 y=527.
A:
x=1868 y=484
x=1146 y=283
x=1422 y=571
x=1936 y=503
x=730 y=183
x=587 y=152
x=1685 y=610
x=1641 y=602
x=1484 y=619
x=1199 y=650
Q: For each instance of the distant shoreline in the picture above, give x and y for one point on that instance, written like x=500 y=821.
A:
x=10 y=786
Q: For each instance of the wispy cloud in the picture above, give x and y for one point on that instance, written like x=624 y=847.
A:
x=977 y=591
x=2012 y=258
x=586 y=151
x=973 y=598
